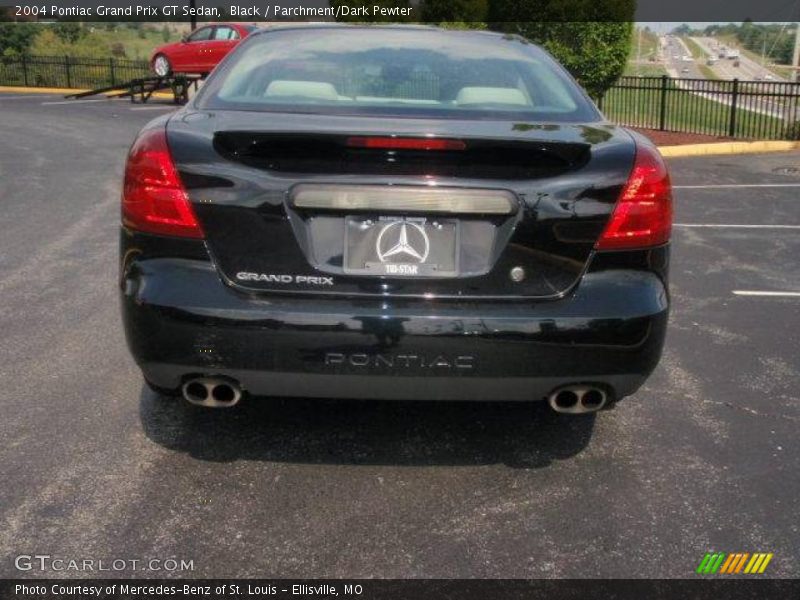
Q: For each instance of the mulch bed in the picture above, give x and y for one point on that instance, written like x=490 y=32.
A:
x=672 y=138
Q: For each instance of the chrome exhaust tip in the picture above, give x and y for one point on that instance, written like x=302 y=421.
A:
x=211 y=392
x=577 y=399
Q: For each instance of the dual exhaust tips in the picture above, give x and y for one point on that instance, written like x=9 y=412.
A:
x=212 y=392
x=215 y=392
x=578 y=399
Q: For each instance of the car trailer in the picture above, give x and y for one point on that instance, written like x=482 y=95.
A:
x=142 y=89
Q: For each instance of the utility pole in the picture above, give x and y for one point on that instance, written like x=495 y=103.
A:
x=796 y=54
x=193 y=16
x=639 y=53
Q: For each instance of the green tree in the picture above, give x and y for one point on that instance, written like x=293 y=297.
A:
x=682 y=30
x=16 y=38
x=68 y=31
x=591 y=39
x=594 y=52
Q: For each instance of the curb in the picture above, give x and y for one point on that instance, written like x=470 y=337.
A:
x=728 y=148
x=18 y=89
x=64 y=91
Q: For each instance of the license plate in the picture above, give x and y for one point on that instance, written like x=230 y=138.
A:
x=401 y=247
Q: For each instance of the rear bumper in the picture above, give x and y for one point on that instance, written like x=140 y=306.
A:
x=181 y=320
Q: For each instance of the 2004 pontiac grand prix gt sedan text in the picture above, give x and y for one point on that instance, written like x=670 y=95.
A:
x=394 y=213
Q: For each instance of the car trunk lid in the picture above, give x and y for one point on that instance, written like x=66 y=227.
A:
x=298 y=203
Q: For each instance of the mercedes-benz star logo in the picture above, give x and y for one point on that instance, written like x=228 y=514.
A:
x=408 y=239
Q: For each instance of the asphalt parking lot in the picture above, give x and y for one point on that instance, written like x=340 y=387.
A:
x=93 y=465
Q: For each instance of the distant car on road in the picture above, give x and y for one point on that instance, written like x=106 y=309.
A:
x=200 y=51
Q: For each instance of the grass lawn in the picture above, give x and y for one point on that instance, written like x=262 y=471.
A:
x=645 y=69
x=784 y=71
x=697 y=52
x=700 y=57
x=707 y=72
x=685 y=111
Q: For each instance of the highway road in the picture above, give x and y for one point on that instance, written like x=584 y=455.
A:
x=675 y=50
x=724 y=68
x=750 y=99
x=748 y=69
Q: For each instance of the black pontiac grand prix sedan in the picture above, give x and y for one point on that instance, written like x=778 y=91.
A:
x=394 y=213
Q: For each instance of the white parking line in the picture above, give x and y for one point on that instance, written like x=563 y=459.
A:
x=75 y=101
x=734 y=226
x=768 y=294
x=728 y=186
x=40 y=96
x=154 y=107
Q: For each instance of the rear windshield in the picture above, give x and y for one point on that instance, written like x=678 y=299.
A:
x=411 y=72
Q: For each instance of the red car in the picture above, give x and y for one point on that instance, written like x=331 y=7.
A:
x=201 y=50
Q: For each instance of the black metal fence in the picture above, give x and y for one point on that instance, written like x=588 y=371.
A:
x=69 y=72
x=738 y=109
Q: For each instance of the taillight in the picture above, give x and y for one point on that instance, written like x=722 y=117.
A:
x=642 y=216
x=153 y=197
x=404 y=143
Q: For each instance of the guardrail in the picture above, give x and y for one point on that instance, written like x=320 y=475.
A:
x=729 y=108
x=69 y=72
